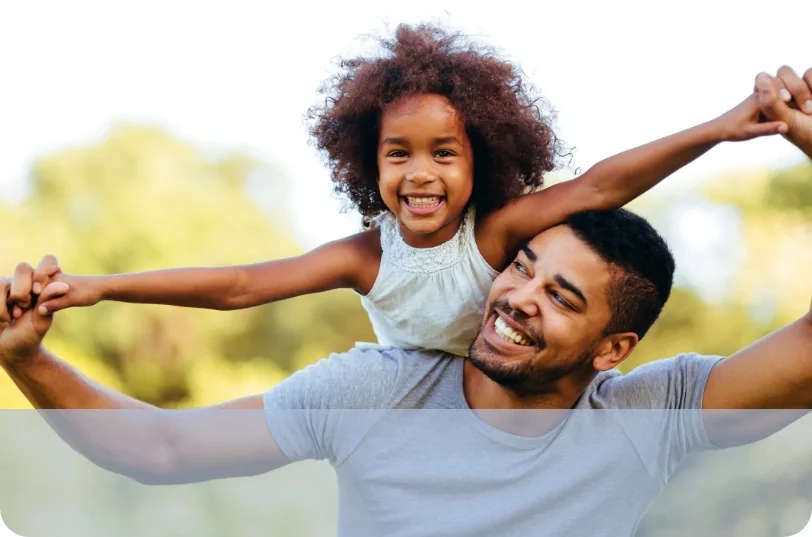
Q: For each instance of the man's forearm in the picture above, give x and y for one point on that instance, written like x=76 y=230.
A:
x=148 y=444
x=49 y=383
x=112 y=430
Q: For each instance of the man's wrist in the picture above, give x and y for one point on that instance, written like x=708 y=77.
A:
x=22 y=359
x=800 y=139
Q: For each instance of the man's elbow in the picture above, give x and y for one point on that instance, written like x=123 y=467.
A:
x=155 y=465
x=145 y=450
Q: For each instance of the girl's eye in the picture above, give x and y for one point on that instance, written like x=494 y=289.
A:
x=443 y=153
x=397 y=154
x=520 y=267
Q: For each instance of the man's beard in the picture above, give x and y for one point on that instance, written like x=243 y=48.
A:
x=527 y=377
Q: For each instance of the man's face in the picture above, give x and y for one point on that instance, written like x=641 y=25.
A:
x=545 y=315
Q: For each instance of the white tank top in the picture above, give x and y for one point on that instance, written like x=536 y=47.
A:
x=431 y=298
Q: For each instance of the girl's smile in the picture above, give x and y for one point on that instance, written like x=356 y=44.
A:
x=425 y=166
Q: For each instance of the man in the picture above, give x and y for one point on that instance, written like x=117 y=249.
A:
x=571 y=307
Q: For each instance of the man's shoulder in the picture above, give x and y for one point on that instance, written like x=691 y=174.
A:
x=675 y=382
x=360 y=378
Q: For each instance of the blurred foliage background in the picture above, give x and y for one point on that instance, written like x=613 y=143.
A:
x=141 y=200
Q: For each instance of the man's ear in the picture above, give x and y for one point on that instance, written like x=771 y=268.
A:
x=613 y=350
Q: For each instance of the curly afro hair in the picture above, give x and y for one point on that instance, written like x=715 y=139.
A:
x=512 y=140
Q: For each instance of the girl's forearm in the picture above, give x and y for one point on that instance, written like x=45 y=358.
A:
x=210 y=288
x=331 y=266
x=623 y=177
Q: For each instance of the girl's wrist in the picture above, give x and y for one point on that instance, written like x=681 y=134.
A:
x=716 y=131
x=104 y=287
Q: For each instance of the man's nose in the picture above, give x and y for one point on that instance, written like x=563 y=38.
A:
x=525 y=298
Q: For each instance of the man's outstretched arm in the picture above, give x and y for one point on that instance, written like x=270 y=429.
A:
x=775 y=373
x=127 y=436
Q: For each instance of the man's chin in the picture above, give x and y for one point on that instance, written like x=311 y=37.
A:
x=487 y=358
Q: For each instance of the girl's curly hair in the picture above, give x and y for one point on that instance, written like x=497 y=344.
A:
x=513 y=142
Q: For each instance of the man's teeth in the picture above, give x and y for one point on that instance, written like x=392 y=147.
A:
x=508 y=334
x=428 y=201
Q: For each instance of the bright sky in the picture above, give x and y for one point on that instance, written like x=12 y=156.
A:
x=241 y=74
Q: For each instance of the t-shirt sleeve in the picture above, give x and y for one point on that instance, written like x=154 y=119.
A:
x=659 y=405
x=323 y=411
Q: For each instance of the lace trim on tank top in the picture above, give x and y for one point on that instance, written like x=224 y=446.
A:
x=424 y=260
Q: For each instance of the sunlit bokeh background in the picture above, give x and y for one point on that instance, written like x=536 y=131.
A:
x=147 y=135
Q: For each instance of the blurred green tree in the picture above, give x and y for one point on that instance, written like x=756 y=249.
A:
x=142 y=200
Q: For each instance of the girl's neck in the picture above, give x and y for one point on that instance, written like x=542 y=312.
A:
x=435 y=238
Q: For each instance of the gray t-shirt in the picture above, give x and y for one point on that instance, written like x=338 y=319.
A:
x=413 y=459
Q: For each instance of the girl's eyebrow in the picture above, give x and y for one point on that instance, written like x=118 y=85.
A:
x=447 y=140
x=402 y=141
x=394 y=141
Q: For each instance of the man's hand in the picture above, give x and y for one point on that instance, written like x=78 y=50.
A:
x=20 y=338
x=788 y=98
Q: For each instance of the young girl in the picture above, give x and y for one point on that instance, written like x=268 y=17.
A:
x=435 y=142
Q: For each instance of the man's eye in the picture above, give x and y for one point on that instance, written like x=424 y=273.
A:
x=560 y=299
x=520 y=267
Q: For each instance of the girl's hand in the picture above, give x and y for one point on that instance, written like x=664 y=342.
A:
x=82 y=290
x=746 y=122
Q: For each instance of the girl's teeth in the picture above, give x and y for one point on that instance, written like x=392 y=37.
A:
x=423 y=202
x=508 y=334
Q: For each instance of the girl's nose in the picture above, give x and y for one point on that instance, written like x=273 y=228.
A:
x=421 y=177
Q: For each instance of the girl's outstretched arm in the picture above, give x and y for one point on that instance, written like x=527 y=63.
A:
x=614 y=182
x=346 y=263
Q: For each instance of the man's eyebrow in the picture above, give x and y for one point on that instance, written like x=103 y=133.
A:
x=531 y=255
x=569 y=286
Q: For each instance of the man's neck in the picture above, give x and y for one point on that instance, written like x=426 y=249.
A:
x=501 y=407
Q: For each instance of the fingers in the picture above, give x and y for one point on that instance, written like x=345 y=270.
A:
x=47 y=267
x=798 y=89
x=21 y=285
x=50 y=298
x=767 y=129
x=41 y=323
x=808 y=80
x=5 y=316
x=774 y=107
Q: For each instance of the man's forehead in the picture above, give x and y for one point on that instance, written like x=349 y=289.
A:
x=560 y=250
x=556 y=237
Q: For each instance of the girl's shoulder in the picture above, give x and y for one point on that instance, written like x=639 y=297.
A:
x=368 y=253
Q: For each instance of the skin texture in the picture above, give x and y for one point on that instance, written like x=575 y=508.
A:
x=424 y=152
x=554 y=294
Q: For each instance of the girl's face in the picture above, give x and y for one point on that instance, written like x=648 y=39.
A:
x=425 y=168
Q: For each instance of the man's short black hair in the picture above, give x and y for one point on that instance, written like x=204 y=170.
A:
x=643 y=266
